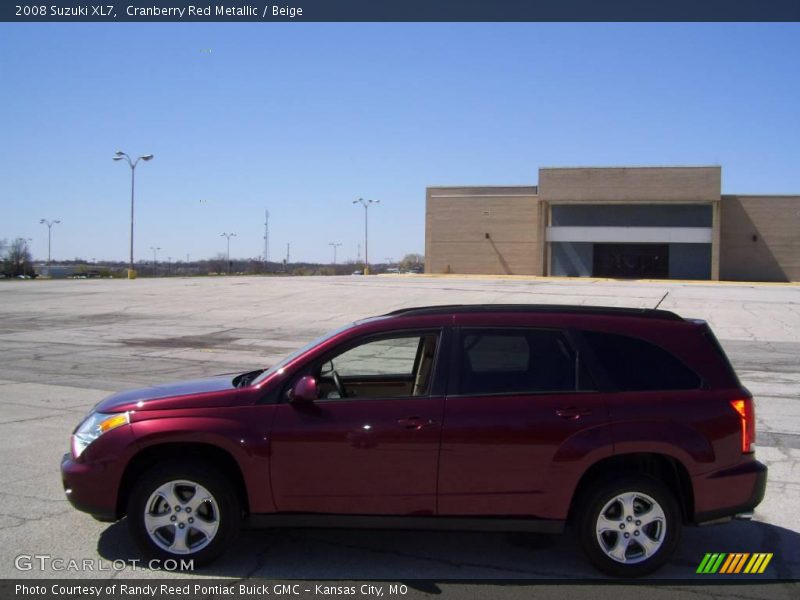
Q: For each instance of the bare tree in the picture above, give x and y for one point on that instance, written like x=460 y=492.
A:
x=411 y=261
x=219 y=264
x=17 y=260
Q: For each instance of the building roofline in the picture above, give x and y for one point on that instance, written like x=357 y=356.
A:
x=762 y=195
x=609 y=167
x=478 y=185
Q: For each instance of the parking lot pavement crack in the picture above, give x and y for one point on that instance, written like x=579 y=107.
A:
x=29 y=497
x=26 y=520
x=18 y=521
x=59 y=413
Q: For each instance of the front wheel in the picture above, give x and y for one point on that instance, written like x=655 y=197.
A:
x=184 y=511
x=629 y=527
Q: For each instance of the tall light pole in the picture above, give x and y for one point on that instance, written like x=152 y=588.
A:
x=365 y=204
x=49 y=234
x=266 y=236
x=120 y=155
x=229 y=236
x=334 y=245
x=154 y=249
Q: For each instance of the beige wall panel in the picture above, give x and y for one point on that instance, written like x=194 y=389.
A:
x=487 y=258
x=630 y=184
x=456 y=228
x=775 y=254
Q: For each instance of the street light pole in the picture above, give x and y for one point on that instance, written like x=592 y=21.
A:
x=229 y=236
x=49 y=232
x=156 y=249
x=365 y=204
x=334 y=245
x=266 y=237
x=120 y=155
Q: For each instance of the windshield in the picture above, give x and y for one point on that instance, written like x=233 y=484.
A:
x=296 y=353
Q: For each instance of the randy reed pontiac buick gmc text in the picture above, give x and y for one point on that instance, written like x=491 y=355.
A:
x=625 y=424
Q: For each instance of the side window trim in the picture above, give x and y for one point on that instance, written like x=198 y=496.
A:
x=587 y=356
x=440 y=383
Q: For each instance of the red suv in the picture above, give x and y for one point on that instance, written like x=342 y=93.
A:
x=624 y=423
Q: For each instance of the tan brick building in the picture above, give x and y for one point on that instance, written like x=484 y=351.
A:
x=637 y=222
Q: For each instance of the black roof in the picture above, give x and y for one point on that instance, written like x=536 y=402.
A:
x=616 y=311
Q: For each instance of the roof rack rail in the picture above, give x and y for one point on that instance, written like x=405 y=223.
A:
x=619 y=311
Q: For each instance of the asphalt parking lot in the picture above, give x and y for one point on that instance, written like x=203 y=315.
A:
x=64 y=345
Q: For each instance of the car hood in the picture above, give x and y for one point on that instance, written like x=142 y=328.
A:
x=207 y=392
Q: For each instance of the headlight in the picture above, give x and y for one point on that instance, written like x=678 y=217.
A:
x=95 y=425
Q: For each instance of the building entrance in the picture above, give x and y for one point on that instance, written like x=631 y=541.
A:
x=631 y=261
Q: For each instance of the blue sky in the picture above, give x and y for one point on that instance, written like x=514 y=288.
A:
x=302 y=119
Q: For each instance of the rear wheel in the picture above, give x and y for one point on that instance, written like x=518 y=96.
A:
x=629 y=527
x=182 y=510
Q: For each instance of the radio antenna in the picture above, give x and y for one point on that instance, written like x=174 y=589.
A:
x=662 y=299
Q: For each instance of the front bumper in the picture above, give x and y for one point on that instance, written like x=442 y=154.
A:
x=89 y=489
x=729 y=492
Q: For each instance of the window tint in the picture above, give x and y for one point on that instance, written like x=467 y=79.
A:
x=636 y=365
x=394 y=356
x=516 y=361
x=497 y=353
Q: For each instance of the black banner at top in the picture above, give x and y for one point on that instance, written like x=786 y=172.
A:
x=399 y=10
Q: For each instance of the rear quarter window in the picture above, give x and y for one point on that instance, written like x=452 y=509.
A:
x=633 y=364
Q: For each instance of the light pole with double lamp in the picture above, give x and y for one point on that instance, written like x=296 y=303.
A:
x=120 y=155
x=229 y=236
x=365 y=204
x=49 y=234
x=334 y=245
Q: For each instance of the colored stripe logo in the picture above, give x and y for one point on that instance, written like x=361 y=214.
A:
x=734 y=563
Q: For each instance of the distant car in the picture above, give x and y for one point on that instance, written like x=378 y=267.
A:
x=358 y=272
x=626 y=423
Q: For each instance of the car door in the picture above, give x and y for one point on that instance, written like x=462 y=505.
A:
x=373 y=449
x=515 y=425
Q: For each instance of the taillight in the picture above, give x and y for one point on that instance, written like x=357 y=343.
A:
x=747 y=418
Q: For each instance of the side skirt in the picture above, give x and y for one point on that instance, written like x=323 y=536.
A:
x=318 y=521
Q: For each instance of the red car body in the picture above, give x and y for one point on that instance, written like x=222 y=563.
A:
x=446 y=459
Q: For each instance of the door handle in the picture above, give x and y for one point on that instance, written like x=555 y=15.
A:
x=572 y=413
x=414 y=422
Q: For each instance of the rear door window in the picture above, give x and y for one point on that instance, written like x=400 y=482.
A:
x=510 y=361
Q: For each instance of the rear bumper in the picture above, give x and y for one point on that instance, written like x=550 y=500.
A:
x=729 y=492
x=86 y=486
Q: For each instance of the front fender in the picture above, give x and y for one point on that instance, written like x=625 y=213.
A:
x=242 y=433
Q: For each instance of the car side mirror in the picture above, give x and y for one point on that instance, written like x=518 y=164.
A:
x=305 y=390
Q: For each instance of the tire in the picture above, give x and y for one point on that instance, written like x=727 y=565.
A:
x=641 y=508
x=184 y=510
